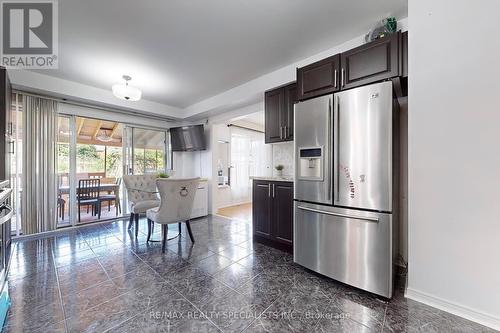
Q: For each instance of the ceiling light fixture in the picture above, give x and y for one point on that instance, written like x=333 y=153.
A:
x=125 y=91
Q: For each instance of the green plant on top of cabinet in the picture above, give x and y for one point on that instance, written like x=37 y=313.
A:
x=279 y=104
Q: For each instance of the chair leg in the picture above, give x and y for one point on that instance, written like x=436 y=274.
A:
x=136 y=225
x=188 y=225
x=130 y=220
x=116 y=207
x=79 y=215
x=180 y=229
x=109 y=206
x=62 y=211
x=149 y=230
x=98 y=208
x=164 y=229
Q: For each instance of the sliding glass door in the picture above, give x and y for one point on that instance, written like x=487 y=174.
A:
x=148 y=151
x=89 y=170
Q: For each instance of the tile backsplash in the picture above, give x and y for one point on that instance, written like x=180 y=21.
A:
x=283 y=154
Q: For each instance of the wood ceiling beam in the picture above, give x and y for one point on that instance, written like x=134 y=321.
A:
x=114 y=130
x=79 y=125
x=97 y=129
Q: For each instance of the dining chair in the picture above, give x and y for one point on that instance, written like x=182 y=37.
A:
x=176 y=204
x=141 y=196
x=61 y=203
x=113 y=197
x=88 y=195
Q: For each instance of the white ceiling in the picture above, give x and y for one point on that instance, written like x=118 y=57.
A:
x=180 y=52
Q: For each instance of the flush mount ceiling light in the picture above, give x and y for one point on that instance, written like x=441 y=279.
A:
x=125 y=91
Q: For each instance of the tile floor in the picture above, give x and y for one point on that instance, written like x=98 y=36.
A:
x=101 y=279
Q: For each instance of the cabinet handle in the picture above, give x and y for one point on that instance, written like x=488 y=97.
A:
x=281 y=132
x=342 y=77
x=12 y=146
x=355 y=217
x=286 y=132
x=335 y=78
x=269 y=190
x=273 y=189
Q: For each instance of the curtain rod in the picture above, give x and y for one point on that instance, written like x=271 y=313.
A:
x=98 y=107
x=243 y=127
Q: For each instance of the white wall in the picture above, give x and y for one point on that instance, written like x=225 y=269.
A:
x=454 y=159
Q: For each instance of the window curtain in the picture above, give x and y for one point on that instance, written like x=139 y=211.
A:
x=39 y=195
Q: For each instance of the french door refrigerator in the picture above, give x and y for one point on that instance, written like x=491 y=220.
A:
x=346 y=165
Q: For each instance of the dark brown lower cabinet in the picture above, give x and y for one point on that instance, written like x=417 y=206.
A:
x=273 y=214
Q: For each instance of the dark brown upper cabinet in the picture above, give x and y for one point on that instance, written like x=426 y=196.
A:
x=279 y=104
x=371 y=62
x=274 y=104
x=319 y=78
x=290 y=100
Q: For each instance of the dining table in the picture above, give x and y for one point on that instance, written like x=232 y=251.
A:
x=64 y=189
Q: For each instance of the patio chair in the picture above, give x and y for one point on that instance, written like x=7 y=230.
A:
x=141 y=196
x=177 y=198
x=88 y=195
x=115 y=197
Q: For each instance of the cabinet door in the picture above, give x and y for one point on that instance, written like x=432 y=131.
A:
x=283 y=212
x=274 y=106
x=290 y=100
x=261 y=209
x=404 y=53
x=375 y=61
x=319 y=78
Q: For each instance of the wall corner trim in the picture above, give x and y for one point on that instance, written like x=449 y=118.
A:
x=454 y=308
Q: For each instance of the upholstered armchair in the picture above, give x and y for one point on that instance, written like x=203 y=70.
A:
x=142 y=195
x=177 y=198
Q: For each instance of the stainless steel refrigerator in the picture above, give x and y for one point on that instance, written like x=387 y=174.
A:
x=346 y=184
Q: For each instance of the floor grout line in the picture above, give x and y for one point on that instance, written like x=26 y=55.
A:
x=59 y=291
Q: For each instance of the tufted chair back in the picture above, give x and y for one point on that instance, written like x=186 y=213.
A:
x=136 y=183
x=177 y=198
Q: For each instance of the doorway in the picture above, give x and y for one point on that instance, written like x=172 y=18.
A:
x=239 y=155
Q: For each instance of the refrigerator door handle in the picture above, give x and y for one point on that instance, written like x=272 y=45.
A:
x=363 y=218
x=329 y=147
x=336 y=145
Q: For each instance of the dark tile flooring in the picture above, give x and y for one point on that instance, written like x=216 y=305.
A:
x=100 y=278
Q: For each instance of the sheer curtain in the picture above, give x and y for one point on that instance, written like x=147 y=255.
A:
x=240 y=168
x=249 y=157
x=39 y=180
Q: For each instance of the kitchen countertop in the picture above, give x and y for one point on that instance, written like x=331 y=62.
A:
x=275 y=179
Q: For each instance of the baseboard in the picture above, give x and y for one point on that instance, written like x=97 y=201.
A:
x=235 y=204
x=454 y=308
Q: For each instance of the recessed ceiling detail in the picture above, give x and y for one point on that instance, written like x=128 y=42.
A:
x=181 y=52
